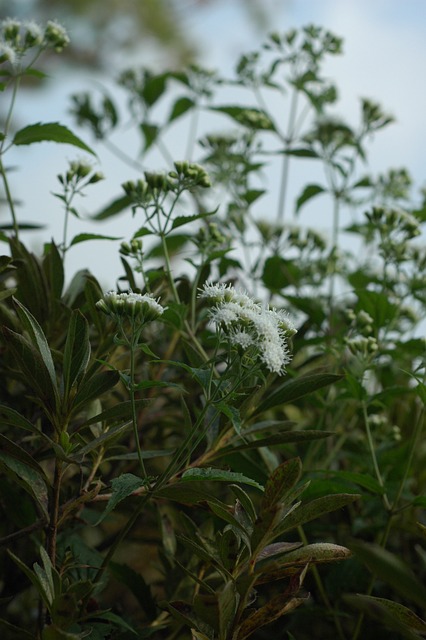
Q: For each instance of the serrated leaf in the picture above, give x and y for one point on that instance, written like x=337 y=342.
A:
x=296 y=388
x=49 y=132
x=84 y=237
x=217 y=475
x=122 y=487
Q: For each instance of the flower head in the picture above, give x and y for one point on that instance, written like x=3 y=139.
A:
x=55 y=35
x=247 y=324
x=135 y=306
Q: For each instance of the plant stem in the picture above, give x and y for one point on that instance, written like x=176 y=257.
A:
x=54 y=514
x=374 y=457
x=133 y=345
x=286 y=159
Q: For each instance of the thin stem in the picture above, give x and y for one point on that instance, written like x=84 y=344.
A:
x=54 y=514
x=286 y=159
x=133 y=345
x=192 y=135
x=374 y=457
x=322 y=590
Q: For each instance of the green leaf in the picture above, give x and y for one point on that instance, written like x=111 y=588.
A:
x=285 y=437
x=249 y=117
x=281 y=483
x=54 y=269
x=33 y=369
x=296 y=388
x=217 y=475
x=84 y=237
x=76 y=352
x=94 y=387
x=116 y=206
x=150 y=133
x=49 y=132
x=137 y=585
x=309 y=192
x=392 y=614
x=25 y=470
x=38 y=339
x=390 y=569
x=300 y=153
x=361 y=479
x=122 y=487
x=179 y=221
x=276 y=607
x=317 y=553
x=315 y=509
x=181 y=106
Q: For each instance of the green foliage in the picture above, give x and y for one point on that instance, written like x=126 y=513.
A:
x=232 y=439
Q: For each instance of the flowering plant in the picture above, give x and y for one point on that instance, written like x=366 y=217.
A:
x=152 y=437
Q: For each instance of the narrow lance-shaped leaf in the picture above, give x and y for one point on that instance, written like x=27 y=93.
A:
x=37 y=338
x=77 y=351
x=281 y=483
x=296 y=388
x=315 y=509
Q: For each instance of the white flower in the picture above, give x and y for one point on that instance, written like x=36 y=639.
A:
x=249 y=324
x=33 y=34
x=131 y=305
x=8 y=53
x=55 y=35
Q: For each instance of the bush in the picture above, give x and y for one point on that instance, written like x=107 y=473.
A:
x=153 y=436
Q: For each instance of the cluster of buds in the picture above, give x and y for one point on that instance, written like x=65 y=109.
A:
x=17 y=38
x=78 y=171
x=381 y=426
x=132 y=248
x=362 y=346
x=142 y=308
x=362 y=321
x=187 y=176
x=310 y=240
x=209 y=238
x=248 y=325
x=394 y=220
x=254 y=119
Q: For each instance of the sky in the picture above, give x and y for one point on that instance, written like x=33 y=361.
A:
x=384 y=56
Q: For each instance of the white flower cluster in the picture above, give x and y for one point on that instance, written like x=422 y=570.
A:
x=17 y=37
x=130 y=305
x=250 y=324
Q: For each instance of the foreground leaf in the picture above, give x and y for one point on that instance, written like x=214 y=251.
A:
x=49 y=132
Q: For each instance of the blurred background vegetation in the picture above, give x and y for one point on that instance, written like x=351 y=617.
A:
x=100 y=28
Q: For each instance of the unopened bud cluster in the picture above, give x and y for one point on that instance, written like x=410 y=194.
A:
x=210 y=238
x=132 y=248
x=78 y=171
x=17 y=38
x=248 y=325
x=362 y=346
x=361 y=321
x=133 y=306
x=187 y=175
x=394 y=220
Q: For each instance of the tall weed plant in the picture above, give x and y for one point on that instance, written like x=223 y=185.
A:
x=229 y=442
